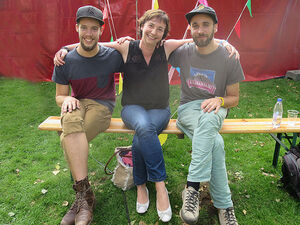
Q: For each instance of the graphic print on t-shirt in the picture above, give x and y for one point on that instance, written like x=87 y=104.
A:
x=202 y=79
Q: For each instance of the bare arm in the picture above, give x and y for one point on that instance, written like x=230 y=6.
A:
x=63 y=100
x=172 y=44
x=230 y=100
x=61 y=53
x=120 y=47
x=230 y=48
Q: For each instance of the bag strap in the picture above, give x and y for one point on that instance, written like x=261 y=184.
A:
x=121 y=149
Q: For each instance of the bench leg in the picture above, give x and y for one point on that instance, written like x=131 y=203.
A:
x=295 y=135
x=277 y=148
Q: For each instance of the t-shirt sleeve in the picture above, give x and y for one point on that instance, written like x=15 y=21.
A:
x=235 y=71
x=59 y=75
x=118 y=61
x=176 y=55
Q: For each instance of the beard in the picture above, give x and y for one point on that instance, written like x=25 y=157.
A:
x=203 y=43
x=88 y=48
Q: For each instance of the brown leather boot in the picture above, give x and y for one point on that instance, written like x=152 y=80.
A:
x=69 y=218
x=86 y=202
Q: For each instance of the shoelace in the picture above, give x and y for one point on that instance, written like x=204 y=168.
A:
x=230 y=217
x=191 y=199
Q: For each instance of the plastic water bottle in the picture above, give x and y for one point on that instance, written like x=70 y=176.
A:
x=277 y=113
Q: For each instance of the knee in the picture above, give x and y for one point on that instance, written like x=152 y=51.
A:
x=144 y=127
x=72 y=123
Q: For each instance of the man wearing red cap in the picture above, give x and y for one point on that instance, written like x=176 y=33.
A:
x=209 y=86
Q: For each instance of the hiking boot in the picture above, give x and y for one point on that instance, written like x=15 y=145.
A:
x=69 y=218
x=227 y=217
x=85 y=201
x=189 y=212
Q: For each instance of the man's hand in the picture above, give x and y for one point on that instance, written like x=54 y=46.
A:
x=70 y=104
x=211 y=104
x=59 y=57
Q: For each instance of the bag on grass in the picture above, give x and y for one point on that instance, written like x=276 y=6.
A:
x=291 y=171
x=123 y=172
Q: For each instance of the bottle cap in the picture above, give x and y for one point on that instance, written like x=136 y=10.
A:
x=279 y=100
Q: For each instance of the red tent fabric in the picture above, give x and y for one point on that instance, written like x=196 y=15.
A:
x=32 y=31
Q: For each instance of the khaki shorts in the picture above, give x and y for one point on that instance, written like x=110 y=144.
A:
x=92 y=118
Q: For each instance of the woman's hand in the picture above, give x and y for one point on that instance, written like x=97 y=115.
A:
x=59 y=57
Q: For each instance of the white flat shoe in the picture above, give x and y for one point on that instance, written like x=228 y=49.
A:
x=165 y=215
x=142 y=208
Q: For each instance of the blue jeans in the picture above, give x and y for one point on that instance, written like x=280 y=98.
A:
x=148 y=161
x=208 y=155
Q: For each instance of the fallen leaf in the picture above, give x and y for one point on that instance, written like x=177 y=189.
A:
x=237 y=150
x=244 y=212
x=247 y=196
x=277 y=200
x=55 y=172
x=91 y=145
x=142 y=223
x=44 y=191
x=65 y=203
x=11 y=214
x=38 y=181
x=182 y=165
x=17 y=171
x=57 y=167
x=65 y=169
x=93 y=173
x=132 y=222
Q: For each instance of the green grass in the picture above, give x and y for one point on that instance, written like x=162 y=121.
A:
x=28 y=156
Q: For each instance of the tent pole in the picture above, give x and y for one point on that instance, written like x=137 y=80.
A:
x=136 y=19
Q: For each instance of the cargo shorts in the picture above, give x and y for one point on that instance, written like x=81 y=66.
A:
x=92 y=118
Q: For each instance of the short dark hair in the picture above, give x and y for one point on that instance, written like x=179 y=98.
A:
x=155 y=13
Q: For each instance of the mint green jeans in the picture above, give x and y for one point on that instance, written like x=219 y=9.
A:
x=208 y=155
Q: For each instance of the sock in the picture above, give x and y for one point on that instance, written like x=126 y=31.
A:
x=195 y=185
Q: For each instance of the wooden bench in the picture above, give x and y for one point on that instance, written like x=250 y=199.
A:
x=230 y=126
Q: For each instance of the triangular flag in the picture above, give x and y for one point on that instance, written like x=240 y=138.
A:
x=203 y=2
x=237 y=29
x=162 y=138
x=249 y=7
x=120 y=83
x=105 y=16
x=155 y=4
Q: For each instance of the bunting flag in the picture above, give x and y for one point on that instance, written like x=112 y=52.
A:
x=155 y=4
x=237 y=28
x=105 y=16
x=249 y=7
x=162 y=138
x=203 y=2
x=120 y=83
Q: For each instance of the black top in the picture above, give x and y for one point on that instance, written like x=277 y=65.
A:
x=146 y=85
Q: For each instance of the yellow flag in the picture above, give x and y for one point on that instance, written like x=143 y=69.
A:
x=120 y=83
x=162 y=138
x=155 y=4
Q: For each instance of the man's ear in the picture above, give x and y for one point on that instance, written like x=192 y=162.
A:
x=101 y=29
x=216 y=28
x=189 y=27
x=77 y=27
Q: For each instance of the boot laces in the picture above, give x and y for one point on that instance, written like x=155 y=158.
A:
x=191 y=201
x=229 y=216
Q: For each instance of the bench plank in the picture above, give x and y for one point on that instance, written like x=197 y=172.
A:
x=230 y=126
